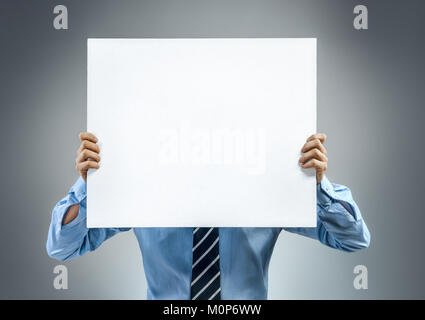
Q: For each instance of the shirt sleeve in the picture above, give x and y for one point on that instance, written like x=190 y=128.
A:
x=74 y=239
x=339 y=222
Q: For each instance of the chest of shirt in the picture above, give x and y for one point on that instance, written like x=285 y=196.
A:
x=173 y=246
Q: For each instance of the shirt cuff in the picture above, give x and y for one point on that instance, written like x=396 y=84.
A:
x=325 y=192
x=79 y=189
x=77 y=195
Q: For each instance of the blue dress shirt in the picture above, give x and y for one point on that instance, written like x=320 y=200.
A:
x=244 y=252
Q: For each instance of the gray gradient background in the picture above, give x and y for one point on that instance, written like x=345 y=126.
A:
x=370 y=103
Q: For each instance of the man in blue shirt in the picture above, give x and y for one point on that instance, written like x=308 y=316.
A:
x=207 y=263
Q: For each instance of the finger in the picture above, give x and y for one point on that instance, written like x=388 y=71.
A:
x=313 y=154
x=88 y=136
x=314 y=163
x=86 y=165
x=86 y=144
x=320 y=136
x=87 y=154
x=314 y=144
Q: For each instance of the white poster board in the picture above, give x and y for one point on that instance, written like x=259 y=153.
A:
x=201 y=132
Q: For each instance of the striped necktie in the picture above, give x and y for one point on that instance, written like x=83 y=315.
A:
x=206 y=265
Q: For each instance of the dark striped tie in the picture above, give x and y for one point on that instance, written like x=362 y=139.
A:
x=206 y=265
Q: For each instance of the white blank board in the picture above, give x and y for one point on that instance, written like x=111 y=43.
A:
x=201 y=132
